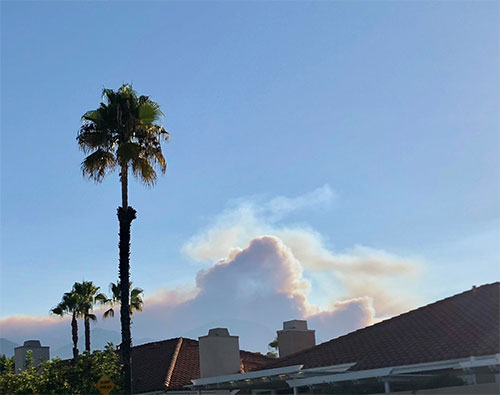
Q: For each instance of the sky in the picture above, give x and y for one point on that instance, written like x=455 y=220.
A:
x=332 y=161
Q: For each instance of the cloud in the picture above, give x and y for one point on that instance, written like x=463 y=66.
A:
x=249 y=218
x=260 y=273
x=342 y=317
x=261 y=284
x=281 y=205
x=45 y=328
x=361 y=271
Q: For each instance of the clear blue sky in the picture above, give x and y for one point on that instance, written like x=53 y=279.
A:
x=394 y=105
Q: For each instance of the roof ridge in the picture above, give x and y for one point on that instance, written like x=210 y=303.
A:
x=173 y=362
x=258 y=353
x=163 y=341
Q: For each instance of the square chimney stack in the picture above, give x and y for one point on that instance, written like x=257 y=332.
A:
x=295 y=337
x=219 y=353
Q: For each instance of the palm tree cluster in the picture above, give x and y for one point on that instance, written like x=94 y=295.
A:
x=122 y=133
x=80 y=303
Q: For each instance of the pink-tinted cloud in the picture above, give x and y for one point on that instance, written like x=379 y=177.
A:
x=252 y=292
x=261 y=286
x=257 y=278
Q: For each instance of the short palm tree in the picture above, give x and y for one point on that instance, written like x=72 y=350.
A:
x=136 y=300
x=87 y=297
x=69 y=305
x=122 y=133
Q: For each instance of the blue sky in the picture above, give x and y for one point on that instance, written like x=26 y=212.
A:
x=390 y=106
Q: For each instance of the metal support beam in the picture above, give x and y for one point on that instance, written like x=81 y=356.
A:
x=387 y=387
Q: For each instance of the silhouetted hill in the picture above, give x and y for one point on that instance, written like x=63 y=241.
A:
x=7 y=347
x=98 y=339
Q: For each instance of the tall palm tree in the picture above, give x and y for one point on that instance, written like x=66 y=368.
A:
x=87 y=297
x=122 y=133
x=69 y=305
x=136 y=300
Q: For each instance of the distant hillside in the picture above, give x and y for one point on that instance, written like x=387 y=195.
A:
x=98 y=339
x=7 y=347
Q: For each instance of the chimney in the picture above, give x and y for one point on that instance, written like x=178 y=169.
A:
x=219 y=353
x=295 y=337
x=39 y=354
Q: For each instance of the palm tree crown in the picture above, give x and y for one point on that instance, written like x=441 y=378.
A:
x=136 y=300
x=122 y=132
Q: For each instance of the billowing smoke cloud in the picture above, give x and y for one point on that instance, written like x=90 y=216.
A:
x=253 y=291
x=361 y=271
x=260 y=274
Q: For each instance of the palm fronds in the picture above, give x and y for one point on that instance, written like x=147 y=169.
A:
x=122 y=132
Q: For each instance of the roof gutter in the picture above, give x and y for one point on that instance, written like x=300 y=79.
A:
x=459 y=363
x=232 y=378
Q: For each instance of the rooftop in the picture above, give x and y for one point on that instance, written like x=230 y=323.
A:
x=173 y=363
x=467 y=324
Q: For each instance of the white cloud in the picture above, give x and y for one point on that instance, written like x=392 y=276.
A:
x=258 y=278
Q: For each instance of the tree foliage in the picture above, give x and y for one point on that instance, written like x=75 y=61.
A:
x=6 y=363
x=136 y=299
x=69 y=305
x=273 y=348
x=121 y=133
x=86 y=294
x=79 y=303
x=62 y=377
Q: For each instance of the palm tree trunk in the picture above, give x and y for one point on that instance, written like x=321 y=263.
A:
x=87 y=334
x=126 y=215
x=74 y=335
x=124 y=181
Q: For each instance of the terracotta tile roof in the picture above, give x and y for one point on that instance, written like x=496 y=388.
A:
x=252 y=361
x=187 y=366
x=151 y=363
x=171 y=364
x=467 y=324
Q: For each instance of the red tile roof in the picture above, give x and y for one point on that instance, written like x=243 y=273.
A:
x=467 y=324
x=151 y=363
x=173 y=363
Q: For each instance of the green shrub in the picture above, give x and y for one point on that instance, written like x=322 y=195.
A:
x=63 y=377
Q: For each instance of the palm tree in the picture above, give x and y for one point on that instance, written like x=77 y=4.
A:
x=136 y=301
x=87 y=297
x=69 y=305
x=273 y=348
x=122 y=134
